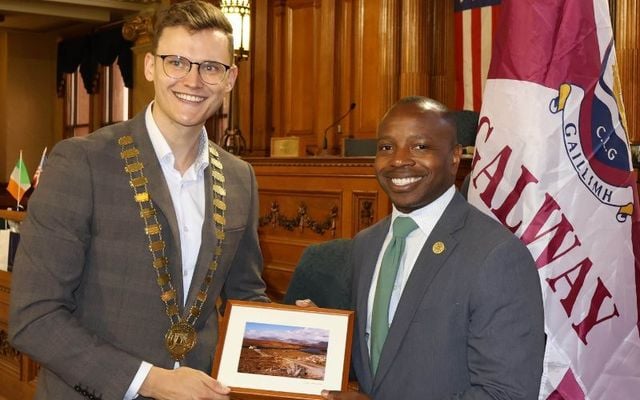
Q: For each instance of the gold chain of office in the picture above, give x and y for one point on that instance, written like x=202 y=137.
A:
x=181 y=336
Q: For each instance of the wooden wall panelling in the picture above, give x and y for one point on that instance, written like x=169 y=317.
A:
x=5 y=164
x=322 y=55
x=277 y=62
x=299 y=69
x=259 y=118
x=243 y=100
x=415 y=49
x=627 y=37
x=442 y=61
x=326 y=65
x=326 y=54
x=294 y=30
x=343 y=77
x=378 y=44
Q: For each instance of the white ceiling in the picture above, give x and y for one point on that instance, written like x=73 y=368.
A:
x=57 y=16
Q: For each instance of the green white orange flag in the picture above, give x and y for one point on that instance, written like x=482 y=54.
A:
x=19 y=181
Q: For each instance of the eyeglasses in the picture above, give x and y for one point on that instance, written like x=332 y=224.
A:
x=177 y=67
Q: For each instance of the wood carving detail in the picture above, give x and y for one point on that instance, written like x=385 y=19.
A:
x=367 y=213
x=365 y=209
x=5 y=348
x=301 y=221
x=137 y=27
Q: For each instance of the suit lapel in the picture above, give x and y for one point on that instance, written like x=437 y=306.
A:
x=159 y=192
x=426 y=268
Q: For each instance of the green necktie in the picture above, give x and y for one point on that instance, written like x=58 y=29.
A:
x=402 y=226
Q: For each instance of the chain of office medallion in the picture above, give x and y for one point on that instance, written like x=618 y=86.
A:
x=153 y=229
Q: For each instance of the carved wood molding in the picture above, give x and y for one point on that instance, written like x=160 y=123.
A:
x=5 y=348
x=364 y=205
x=138 y=27
x=320 y=162
x=367 y=213
x=301 y=221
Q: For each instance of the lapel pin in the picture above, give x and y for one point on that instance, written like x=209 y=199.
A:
x=438 y=248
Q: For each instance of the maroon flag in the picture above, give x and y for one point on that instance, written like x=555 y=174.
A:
x=553 y=164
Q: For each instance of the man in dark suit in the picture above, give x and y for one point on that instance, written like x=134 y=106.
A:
x=136 y=230
x=465 y=316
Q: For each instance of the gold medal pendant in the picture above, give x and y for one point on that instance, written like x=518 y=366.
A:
x=180 y=338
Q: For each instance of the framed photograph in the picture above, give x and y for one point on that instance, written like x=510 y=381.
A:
x=268 y=350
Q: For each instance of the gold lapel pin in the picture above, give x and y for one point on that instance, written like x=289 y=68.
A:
x=438 y=248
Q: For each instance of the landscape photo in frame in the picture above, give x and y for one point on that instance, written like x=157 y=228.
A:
x=282 y=351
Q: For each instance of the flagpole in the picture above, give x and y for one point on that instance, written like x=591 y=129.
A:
x=36 y=175
x=19 y=181
x=44 y=153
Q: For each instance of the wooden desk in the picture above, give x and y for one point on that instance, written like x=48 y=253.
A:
x=12 y=215
x=310 y=200
x=7 y=200
x=17 y=371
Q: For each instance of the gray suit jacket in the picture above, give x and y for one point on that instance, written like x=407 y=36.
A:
x=85 y=302
x=469 y=324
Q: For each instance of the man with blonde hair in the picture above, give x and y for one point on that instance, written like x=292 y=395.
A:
x=137 y=230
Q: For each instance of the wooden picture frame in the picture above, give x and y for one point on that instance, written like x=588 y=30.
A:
x=276 y=351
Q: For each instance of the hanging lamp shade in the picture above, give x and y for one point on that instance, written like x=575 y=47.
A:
x=238 y=13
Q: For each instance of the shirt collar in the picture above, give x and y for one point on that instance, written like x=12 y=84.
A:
x=162 y=149
x=427 y=216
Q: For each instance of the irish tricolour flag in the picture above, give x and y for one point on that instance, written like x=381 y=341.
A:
x=19 y=181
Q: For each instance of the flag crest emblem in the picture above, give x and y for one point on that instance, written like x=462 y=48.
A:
x=598 y=152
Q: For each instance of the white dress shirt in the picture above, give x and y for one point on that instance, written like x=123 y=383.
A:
x=426 y=218
x=188 y=198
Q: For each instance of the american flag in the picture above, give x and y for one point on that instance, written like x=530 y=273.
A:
x=475 y=25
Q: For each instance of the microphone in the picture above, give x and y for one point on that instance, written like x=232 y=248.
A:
x=336 y=122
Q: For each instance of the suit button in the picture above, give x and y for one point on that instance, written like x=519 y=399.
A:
x=77 y=388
